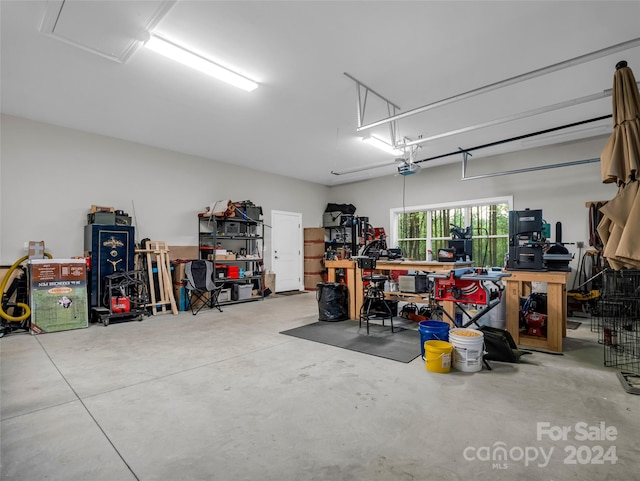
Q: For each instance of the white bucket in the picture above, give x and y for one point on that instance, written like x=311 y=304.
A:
x=468 y=349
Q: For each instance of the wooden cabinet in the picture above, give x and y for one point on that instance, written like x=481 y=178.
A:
x=519 y=285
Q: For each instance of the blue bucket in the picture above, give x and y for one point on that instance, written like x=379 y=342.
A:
x=432 y=331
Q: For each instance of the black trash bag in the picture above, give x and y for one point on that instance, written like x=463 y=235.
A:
x=333 y=301
x=349 y=209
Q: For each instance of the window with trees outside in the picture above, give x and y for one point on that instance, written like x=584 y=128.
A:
x=420 y=229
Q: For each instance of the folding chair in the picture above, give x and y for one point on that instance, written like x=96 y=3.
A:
x=202 y=291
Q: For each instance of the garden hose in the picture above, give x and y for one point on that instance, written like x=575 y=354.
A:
x=27 y=310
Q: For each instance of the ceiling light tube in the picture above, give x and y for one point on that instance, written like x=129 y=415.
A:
x=175 y=52
x=382 y=145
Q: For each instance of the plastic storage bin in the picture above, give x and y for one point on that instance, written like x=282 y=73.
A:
x=241 y=292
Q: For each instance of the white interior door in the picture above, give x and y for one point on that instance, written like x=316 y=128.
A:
x=286 y=249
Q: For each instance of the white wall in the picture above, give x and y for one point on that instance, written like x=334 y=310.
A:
x=50 y=176
x=561 y=193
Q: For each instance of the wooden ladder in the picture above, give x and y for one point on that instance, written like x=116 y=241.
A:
x=158 y=252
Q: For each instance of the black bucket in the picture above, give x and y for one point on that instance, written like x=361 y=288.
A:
x=333 y=301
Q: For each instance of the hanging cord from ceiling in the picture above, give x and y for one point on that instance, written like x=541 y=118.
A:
x=404 y=207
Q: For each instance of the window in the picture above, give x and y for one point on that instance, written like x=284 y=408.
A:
x=420 y=229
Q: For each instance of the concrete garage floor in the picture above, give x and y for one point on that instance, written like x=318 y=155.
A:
x=224 y=396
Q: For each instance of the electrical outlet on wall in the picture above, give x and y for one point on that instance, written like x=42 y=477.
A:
x=580 y=245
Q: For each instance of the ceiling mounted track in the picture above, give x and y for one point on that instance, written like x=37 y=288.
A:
x=519 y=171
x=511 y=118
x=504 y=83
x=485 y=146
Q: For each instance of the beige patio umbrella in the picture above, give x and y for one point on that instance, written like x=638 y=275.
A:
x=620 y=158
x=620 y=163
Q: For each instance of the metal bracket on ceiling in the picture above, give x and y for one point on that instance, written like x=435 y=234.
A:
x=465 y=156
x=362 y=92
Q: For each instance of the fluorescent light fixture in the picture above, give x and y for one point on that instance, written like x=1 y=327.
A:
x=179 y=54
x=382 y=145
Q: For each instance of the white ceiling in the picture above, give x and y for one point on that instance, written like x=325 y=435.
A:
x=302 y=119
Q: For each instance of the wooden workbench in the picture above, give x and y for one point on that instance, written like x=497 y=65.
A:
x=353 y=278
x=519 y=285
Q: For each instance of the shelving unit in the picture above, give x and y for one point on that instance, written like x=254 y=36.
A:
x=236 y=248
x=337 y=237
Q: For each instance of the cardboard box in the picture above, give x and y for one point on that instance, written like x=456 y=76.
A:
x=58 y=295
x=269 y=281
x=98 y=208
x=313 y=242
x=178 y=272
x=36 y=249
x=221 y=257
x=184 y=252
x=313 y=265
x=312 y=279
x=313 y=234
